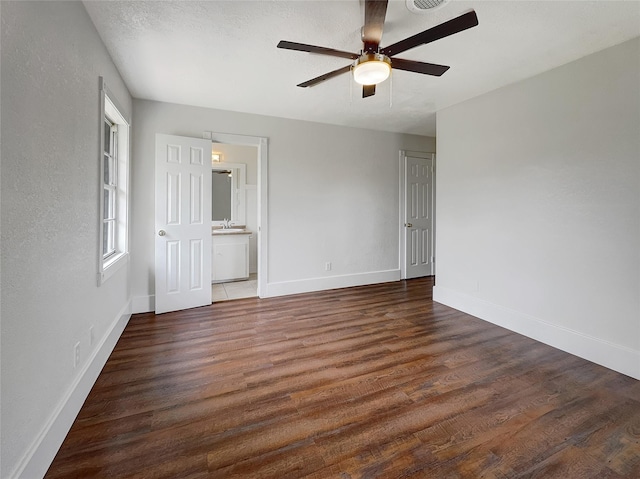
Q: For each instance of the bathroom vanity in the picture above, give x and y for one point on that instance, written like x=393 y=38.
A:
x=230 y=254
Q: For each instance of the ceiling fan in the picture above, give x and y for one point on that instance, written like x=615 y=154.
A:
x=373 y=64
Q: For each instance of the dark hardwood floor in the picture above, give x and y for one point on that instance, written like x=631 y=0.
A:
x=368 y=382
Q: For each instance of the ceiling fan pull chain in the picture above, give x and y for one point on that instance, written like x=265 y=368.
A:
x=390 y=89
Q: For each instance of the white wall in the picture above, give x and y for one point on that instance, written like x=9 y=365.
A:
x=51 y=60
x=538 y=207
x=247 y=155
x=333 y=196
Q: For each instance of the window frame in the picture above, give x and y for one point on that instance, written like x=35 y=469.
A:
x=114 y=149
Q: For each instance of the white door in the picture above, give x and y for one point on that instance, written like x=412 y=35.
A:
x=418 y=218
x=183 y=223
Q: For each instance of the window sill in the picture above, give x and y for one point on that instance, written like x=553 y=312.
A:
x=111 y=266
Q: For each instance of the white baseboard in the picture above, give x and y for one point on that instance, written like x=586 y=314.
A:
x=43 y=450
x=619 y=358
x=143 y=304
x=330 y=282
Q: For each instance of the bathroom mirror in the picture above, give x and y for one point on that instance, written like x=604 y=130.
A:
x=228 y=195
x=222 y=194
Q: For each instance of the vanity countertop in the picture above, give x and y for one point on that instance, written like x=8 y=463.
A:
x=234 y=230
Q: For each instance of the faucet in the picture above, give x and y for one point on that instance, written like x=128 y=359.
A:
x=225 y=224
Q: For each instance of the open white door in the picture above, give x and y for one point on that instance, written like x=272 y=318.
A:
x=418 y=218
x=183 y=223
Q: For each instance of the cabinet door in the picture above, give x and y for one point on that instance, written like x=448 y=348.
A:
x=230 y=261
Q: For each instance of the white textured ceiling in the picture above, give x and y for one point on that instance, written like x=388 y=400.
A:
x=222 y=54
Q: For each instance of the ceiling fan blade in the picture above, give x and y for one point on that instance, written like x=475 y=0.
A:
x=419 y=67
x=368 y=90
x=302 y=47
x=374 y=14
x=326 y=76
x=443 y=30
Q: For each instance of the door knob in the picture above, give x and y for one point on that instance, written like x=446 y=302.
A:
x=162 y=233
x=408 y=225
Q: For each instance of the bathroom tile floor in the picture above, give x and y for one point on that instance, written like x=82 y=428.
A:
x=235 y=289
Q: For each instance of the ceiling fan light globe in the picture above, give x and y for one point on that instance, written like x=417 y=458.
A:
x=371 y=69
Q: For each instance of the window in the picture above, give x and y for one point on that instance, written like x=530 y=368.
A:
x=114 y=177
x=110 y=188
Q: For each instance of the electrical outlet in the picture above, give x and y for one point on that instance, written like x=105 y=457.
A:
x=327 y=266
x=76 y=355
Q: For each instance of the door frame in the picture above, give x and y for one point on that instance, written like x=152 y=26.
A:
x=402 y=257
x=262 y=144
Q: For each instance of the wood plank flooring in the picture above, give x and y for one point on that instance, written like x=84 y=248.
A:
x=368 y=382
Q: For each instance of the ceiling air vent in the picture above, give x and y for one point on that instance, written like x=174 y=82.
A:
x=425 y=6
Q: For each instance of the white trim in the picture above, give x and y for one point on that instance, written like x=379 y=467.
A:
x=331 y=282
x=112 y=266
x=619 y=358
x=114 y=100
x=39 y=455
x=109 y=107
x=263 y=167
x=145 y=304
x=402 y=263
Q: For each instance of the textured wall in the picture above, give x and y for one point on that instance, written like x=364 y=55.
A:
x=538 y=206
x=51 y=60
x=333 y=191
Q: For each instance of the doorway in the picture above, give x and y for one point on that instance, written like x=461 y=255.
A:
x=234 y=222
x=251 y=190
x=183 y=243
x=417 y=221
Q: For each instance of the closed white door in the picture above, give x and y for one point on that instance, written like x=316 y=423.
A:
x=183 y=223
x=418 y=221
